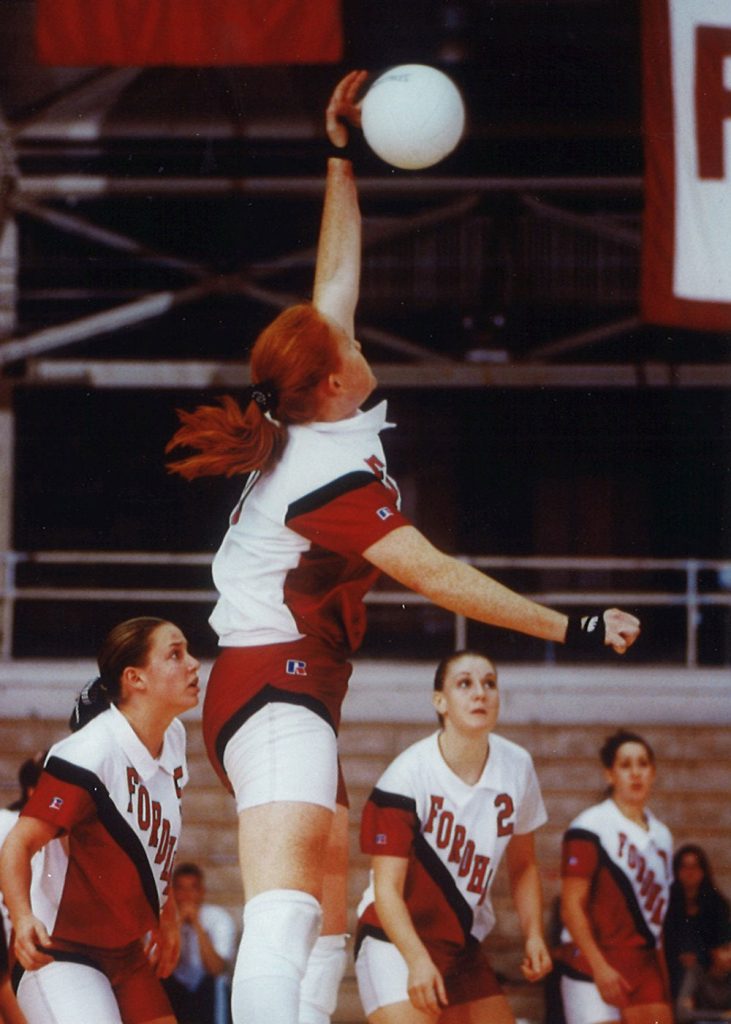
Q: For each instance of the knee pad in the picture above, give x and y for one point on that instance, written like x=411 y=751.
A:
x=280 y=929
x=319 y=988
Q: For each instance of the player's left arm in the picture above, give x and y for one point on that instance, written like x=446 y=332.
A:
x=337 y=267
x=409 y=557
x=525 y=887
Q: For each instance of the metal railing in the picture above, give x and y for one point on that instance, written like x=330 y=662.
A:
x=690 y=585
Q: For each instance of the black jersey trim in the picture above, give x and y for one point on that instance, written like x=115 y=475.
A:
x=571 y=972
x=268 y=695
x=329 y=492
x=121 y=832
x=383 y=798
x=368 y=931
x=623 y=883
x=441 y=875
x=57 y=954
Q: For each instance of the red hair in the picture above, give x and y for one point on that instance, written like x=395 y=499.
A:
x=293 y=355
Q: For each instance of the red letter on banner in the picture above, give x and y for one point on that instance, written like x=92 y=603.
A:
x=712 y=98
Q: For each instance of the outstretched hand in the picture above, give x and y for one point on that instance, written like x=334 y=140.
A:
x=343 y=107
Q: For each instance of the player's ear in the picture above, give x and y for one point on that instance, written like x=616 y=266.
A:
x=132 y=679
x=439 y=701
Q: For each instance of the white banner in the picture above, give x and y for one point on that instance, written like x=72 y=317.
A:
x=687 y=123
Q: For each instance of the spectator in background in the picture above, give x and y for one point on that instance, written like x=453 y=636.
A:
x=697 y=914
x=705 y=993
x=197 y=987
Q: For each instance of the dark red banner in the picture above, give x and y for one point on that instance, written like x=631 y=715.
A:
x=124 y=33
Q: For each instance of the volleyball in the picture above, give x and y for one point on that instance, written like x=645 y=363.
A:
x=413 y=116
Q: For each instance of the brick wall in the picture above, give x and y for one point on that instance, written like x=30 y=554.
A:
x=691 y=796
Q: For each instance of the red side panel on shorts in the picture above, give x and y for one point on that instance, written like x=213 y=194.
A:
x=239 y=674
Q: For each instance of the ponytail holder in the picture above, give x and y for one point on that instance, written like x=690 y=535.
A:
x=265 y=396
x=91 y=701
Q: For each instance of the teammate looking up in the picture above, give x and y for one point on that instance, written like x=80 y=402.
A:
x=437 y=825
x=94 y=931
x=317 y=522
x=616 y=872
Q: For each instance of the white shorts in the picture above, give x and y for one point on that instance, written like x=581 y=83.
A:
x=582 y=1003
x=382 y=974
x=67 y=993
x=283 y=752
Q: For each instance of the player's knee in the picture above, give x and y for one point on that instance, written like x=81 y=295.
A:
x=280 y=929
x=320 y=985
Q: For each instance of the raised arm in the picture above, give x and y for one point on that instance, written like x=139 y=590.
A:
x=407 y=556
x=337 y=270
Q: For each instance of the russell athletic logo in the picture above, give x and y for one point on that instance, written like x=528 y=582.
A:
x=56 y=803
x=295 y=667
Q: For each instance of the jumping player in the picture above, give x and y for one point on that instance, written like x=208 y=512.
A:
x=616 y=875
x=93 y=930
x=318 y=520
x=436 y=826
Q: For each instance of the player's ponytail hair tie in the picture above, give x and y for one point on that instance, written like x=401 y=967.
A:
x=92 y=700
x=264 y=394
x=586 y=633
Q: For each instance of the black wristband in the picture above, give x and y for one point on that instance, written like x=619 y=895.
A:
x=356 y=149
x=586 y=632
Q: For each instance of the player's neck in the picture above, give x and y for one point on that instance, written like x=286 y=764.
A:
x=635 y=812
x=466 y=756
x=148 y=730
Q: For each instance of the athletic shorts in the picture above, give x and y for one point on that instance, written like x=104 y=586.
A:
x=283 y=752
x=243 y=680
x=93 y=987
x=383 y=975
x=642 y=968
x=582 y=1003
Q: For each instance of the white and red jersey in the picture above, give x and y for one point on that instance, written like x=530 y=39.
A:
x=290 y=564
x=453 y=834
x=630 y=870
x=117 y=809
x=7 y=822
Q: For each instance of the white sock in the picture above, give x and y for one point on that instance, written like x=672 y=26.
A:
x=280 y=929
x=319 y=989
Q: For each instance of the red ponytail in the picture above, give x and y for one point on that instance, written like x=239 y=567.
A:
x=293 y=355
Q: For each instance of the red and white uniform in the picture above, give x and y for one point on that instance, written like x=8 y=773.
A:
x=292 y=578
x=100 y=888
x=7 y=821
x=630 y=871
x=454 y=836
